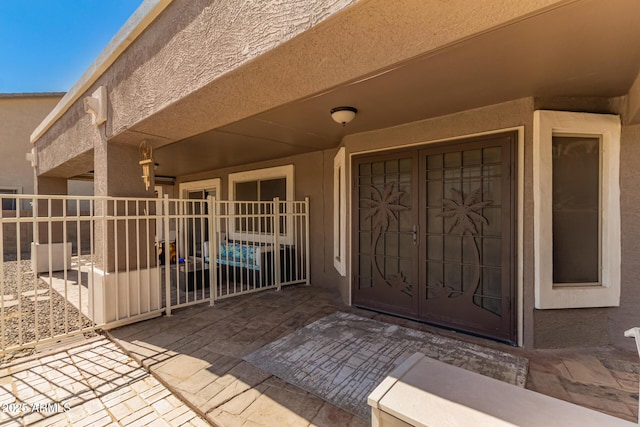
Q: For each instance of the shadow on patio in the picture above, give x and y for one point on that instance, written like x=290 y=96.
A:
x=198 y=353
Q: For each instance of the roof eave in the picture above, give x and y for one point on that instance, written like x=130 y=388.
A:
x=148 y=11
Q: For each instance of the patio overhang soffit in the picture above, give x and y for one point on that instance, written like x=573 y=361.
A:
x=583 y=48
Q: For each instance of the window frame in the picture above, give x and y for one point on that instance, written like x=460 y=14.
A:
x=287 y=172
x=606 y=293
x=16 y=201
x=339 y=212
x=203 y=185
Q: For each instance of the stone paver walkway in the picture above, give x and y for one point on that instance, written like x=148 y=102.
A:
x=198 y=353
x=93 y=384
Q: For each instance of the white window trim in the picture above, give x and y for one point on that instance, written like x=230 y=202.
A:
x=205 y=184
x=183 y=190
x=339 y=212
x=607 y=127
x=159 y=213
x=286 y=172
x=18 y=190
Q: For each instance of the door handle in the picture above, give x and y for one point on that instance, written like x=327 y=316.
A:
x=415 y=235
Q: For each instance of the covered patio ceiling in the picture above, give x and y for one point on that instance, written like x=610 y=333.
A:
x=585 y=48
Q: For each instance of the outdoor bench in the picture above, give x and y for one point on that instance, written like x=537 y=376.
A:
x=426 y=392
x=245 y=262
x=249 y=262
x=247 y=255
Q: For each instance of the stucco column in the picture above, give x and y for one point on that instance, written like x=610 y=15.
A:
x=125 y=282
x=117 y=173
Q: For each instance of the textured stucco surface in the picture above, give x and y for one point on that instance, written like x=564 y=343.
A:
x=543 y=328
x=205 y=64
x=571 y=328
x=313 y=174
x=633 y=103
x=71 y=152
x=487 y=119
x=628 y=314
x=18 y=117
x=363 y=39
x=191 y=44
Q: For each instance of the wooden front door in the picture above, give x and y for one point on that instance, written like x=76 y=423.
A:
x=434 y=234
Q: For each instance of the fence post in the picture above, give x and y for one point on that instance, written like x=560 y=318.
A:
x=307 y=237
x=166 y=255
x=276 y=240
x=213 y=248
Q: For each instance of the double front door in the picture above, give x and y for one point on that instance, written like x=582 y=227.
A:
x=434 y=234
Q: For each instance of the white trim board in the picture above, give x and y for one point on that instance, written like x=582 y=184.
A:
x=519 y=220
x=339 y=212
x=205 y=184
x=546 y=124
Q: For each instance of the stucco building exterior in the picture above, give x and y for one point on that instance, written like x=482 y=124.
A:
x=487 y=183
x=20 y=113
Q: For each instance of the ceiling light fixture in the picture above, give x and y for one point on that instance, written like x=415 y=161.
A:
x=343 y=115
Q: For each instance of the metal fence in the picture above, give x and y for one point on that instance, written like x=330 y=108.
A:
x=103 y=262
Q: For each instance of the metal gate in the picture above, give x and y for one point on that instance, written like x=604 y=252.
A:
x=102 y=262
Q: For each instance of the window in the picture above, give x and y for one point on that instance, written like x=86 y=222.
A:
x=339 y=212
x=200 y=189
x=262 y=185
x=8 y=203
x=196 y=230
x=576 y=209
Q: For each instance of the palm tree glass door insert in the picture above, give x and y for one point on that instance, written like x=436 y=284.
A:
x=462 y=241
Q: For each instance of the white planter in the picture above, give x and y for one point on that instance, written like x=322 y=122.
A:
x=41 y=252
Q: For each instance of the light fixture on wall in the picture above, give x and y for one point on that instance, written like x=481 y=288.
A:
x=146 y=161
x=343 y=115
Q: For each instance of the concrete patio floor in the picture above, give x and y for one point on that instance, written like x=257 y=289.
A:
x=197 y=353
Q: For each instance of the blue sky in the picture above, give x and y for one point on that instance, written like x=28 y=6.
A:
x=46 y=45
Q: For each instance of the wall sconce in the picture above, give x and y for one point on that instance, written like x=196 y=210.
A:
x=343 y=115
x=146 y=161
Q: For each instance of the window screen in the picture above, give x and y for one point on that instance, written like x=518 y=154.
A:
x=575 y=210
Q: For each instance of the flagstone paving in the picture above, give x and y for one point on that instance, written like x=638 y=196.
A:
x=195 y=357
x=198 y=353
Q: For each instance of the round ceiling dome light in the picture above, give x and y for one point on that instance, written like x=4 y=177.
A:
x=343 y=115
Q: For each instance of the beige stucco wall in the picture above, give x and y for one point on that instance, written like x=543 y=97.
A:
x=191 y=44
x=488 y=119
x=313 y=178
x=205 y=64
x=543 y=328
x=19 y=116
x=186 y=75
x=628 y=315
